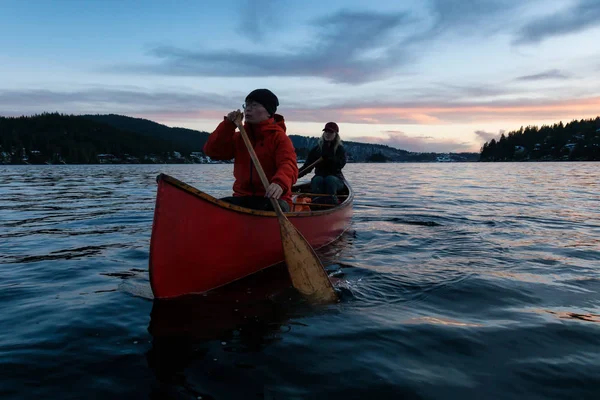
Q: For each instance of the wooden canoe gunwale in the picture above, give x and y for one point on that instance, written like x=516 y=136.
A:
x=223 y=204
x=160 y=258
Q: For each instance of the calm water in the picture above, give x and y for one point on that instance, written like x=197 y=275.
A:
x=471 y=281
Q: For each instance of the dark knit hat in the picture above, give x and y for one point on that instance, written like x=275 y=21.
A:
x=266 y=98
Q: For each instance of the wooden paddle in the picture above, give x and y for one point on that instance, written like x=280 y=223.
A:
x=306 y=271
x=308 y=167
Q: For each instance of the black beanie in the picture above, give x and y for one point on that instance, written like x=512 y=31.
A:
x=266 y=98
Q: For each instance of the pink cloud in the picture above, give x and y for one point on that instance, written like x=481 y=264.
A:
x=401 y=140
x=421 y=113
x=487 y=136
x=168 y=106
x=427 y=114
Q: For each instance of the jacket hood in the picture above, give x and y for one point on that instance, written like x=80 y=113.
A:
x=267 y=126
x=279 y=120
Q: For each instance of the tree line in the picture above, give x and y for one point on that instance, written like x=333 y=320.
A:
x=53 y=138
x=575 y=141
x=83 y=139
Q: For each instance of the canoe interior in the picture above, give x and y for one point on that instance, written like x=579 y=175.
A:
x=322 y=203
x=345 y=197
x=305 y=188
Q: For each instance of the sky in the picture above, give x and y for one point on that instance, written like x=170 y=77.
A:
x=422 y=75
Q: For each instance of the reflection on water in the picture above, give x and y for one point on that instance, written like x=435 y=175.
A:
x=252 y=305
x=245 y=316
x=456 y=281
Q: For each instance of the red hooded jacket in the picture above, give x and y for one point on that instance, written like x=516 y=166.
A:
x=273 y=147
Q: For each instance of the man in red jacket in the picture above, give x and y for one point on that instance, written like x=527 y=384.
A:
x=267 y=133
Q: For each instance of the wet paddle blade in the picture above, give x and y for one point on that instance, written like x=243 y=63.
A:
x=305 y=269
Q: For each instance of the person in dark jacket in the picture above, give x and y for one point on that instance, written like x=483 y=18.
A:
x=328 y=177
x=274 y=149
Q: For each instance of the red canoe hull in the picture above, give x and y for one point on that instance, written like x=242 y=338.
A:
x=200 y=243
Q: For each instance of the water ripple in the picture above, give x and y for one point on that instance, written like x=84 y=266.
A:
x=456 y=280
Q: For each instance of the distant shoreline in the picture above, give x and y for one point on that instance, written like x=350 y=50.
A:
x=358 y=162
x=117 y=139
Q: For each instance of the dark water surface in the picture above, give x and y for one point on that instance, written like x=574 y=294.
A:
x=470 y=281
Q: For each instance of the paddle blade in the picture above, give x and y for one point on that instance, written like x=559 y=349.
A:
x=305 y=269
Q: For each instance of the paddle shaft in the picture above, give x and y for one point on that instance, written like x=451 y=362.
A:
x=261 y=172
x=306 y=271
x=310 y=166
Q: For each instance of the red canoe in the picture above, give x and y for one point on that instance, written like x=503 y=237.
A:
x=200 y=243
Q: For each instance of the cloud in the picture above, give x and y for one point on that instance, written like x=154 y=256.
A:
x=439 y=113
x=550 y=74
x=584 y=14
x=487 y=136
x=178 y=105
x=449 y=91
x=255 y=22
x=99 y=100
x=401 y=140
x=351 y=47
x=470 y=15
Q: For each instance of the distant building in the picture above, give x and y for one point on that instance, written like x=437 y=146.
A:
x=198 y=157
x=131 y=159
x=106 y=158
x=570 y=146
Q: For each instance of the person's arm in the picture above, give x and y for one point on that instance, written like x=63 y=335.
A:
x=313 y=155
x=286 y=164
x=220 y=144
x=340 y=157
